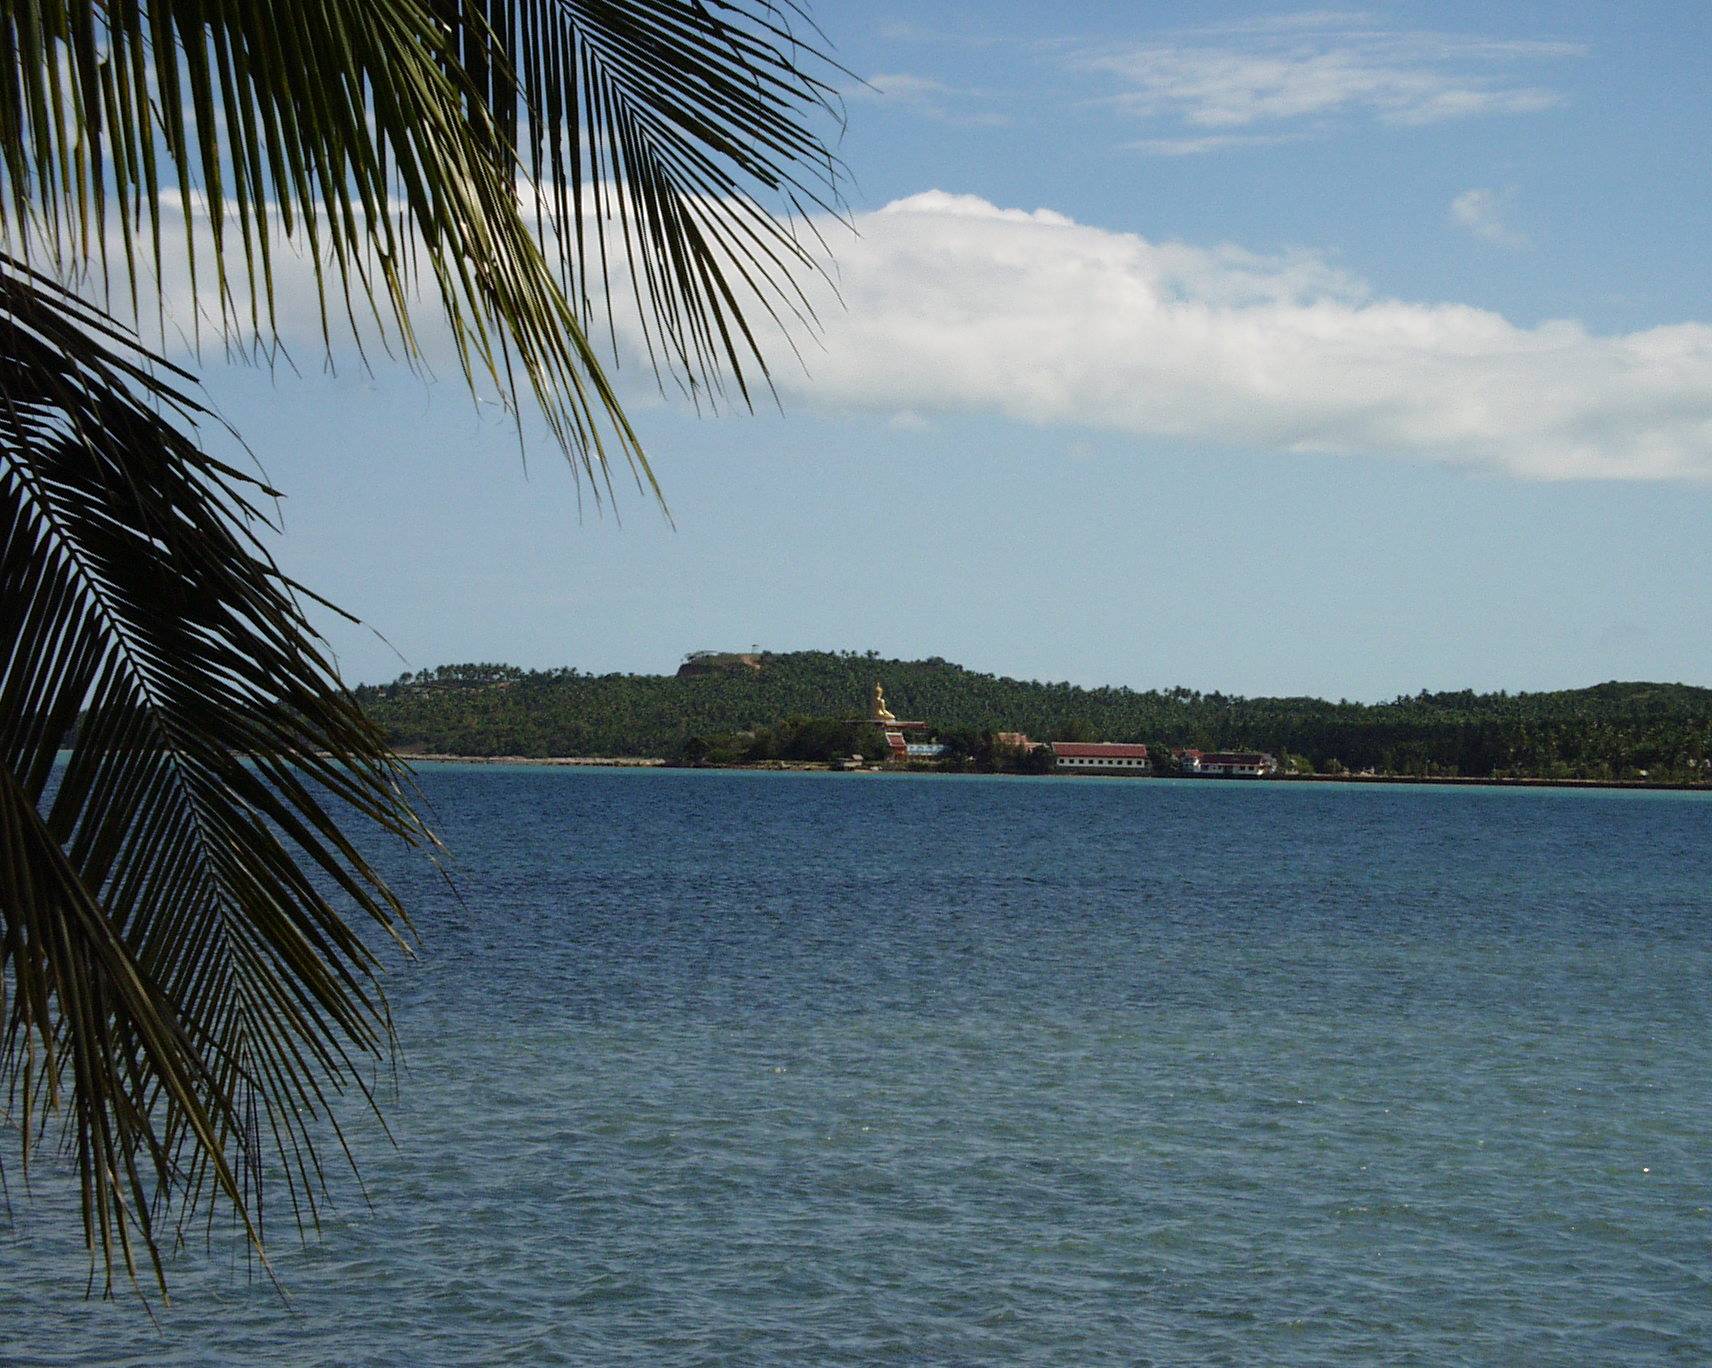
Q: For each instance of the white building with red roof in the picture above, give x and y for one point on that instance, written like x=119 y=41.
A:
x=1100 y=757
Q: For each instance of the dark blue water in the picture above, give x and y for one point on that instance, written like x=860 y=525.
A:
x=736 y=1068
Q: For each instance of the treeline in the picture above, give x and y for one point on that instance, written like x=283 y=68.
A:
x=1610 y=731
x=821 y=739
x=828 y=740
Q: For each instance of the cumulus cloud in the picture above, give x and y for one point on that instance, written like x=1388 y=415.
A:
x=951 y=304
x=1484 y=213
x=1321 y=64
x=954 y=304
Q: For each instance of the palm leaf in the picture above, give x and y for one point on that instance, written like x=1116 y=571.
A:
x=181 y=978
x=181 y=975
x=661 y=133
x=387 y=137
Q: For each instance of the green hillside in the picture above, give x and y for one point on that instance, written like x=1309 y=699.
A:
x=1609 y=731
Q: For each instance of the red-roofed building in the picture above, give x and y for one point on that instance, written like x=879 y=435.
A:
x=1100 y=757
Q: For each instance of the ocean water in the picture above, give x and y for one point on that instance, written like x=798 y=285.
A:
x=727 y=1068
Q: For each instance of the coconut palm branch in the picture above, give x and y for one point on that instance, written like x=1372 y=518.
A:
x=182 y=980
x=188 y=975
x=506 y=158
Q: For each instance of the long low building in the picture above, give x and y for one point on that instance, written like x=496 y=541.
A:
x=1101 y=757
x=1229 y=764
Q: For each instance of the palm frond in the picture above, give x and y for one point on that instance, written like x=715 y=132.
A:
x=671 y=138
x=180 y=975
x=184 y=977
x=388 y=137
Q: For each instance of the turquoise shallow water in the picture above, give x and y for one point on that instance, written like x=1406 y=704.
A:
x=734 y=1068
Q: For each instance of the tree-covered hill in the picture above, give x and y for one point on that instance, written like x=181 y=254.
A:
x=1609 y=731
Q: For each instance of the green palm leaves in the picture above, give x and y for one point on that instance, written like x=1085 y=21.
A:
x=180 y=985
x=185 y=976
x=383 y=137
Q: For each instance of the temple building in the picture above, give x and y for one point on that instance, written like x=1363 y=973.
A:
x=906 y=740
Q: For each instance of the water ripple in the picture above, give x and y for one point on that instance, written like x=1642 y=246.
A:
x=733 y=1069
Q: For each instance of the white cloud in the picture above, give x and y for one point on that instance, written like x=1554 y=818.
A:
x=930 y=98
x=903 y=88
x=1483 y=213
x=1322 y=64
x=1285 y=23
x=952 y=304
x=1210 y=142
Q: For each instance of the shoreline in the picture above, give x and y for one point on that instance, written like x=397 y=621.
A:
x=814 y=766
x=1662 y=786
x=594 y=761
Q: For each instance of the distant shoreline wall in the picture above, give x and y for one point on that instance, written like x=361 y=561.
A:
x=1663 y=786
x=598 y=761
x=778 y=766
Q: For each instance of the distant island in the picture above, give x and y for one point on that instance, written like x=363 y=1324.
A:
x=813 y=707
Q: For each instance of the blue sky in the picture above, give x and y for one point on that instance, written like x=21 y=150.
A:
x=1258 y=349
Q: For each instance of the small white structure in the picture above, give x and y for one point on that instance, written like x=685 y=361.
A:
x=1100 y=757
x=1229 y=764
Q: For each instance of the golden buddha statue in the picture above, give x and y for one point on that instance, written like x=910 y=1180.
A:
x=880 y=712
